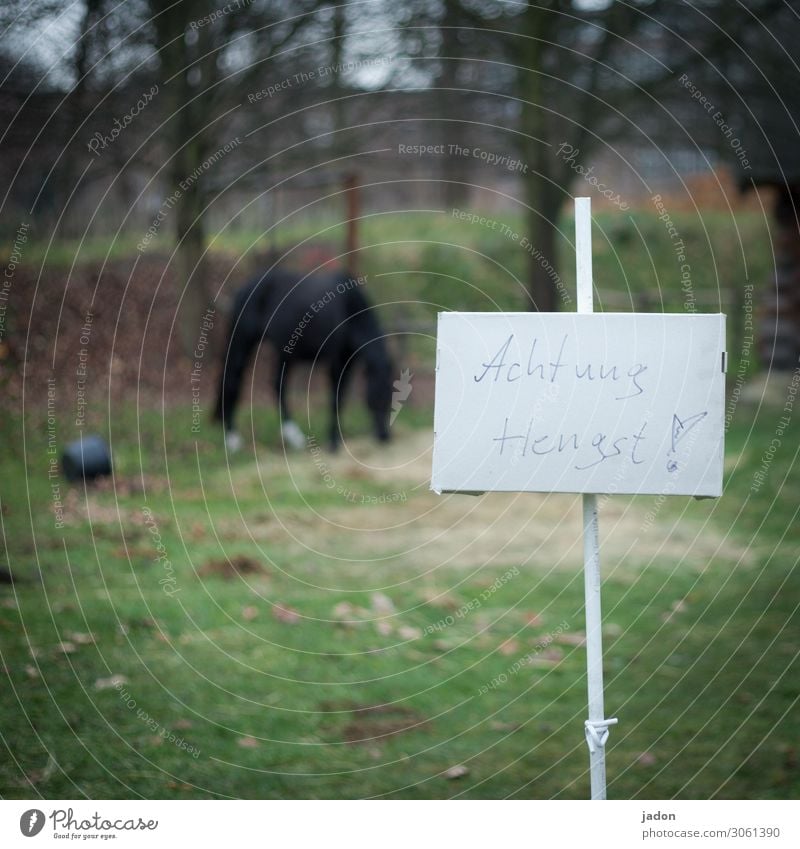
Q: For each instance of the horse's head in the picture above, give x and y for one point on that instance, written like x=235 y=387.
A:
x=367 y=340
x=379 y=386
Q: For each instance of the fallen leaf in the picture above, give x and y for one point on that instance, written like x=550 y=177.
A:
x=547 y=657
x=646 y=759
x=677 y=606
x=249 y=613
x=31 y=671
x=504 y=726
x=37 y=776
x=285 y=614
x=248 y=742
x=482 y=623
x=437 y=598
x=349 y=616
x=182 y=724
x=343 y=610
x=509 y=646
x=383 y=627
x=79 y=638
x=455 y=772
x=532 y=620
x=108 y=683
x=381 y=603
x=67 y=647
x=407 y=632
x=577 y=638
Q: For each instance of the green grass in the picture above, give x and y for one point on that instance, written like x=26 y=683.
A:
x=420 y=263
x=432 y=258
x=701 y=650
x=708 y=690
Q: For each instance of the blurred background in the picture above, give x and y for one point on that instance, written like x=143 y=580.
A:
x=202 y=624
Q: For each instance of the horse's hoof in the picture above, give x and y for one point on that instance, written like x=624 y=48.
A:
x=293 y=436
x=233 y=441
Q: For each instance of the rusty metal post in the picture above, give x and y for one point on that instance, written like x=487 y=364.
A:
x=353 y=217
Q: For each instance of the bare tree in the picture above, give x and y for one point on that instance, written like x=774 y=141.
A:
x=572 y=69
x=210 y=62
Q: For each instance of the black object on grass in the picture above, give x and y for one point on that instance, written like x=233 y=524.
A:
x=86 y=458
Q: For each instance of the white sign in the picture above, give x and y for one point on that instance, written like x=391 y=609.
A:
x=591 y=403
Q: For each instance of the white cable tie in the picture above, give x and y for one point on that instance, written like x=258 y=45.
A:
x=597 y=733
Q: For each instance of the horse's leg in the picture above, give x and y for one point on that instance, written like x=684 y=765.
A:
x=292 y=435
x=340 y=377
x=238 y=354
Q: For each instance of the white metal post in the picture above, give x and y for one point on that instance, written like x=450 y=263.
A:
x=596 y=726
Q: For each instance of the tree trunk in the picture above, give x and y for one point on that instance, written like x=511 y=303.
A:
x=545 y=289
x=188 y=145
x=191 y=267
x=543 y=195
x=191 y=270
x=453 y=168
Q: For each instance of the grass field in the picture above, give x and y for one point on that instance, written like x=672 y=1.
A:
x=314 y=626
x=427 y=260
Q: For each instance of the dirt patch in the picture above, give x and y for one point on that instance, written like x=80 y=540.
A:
x=431 y=531
x=79 y=507
x=125 y=486
x=116 y=322
x=231 y=567
x=373 y=723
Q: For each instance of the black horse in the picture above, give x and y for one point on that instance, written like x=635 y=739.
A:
x=323 y=318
